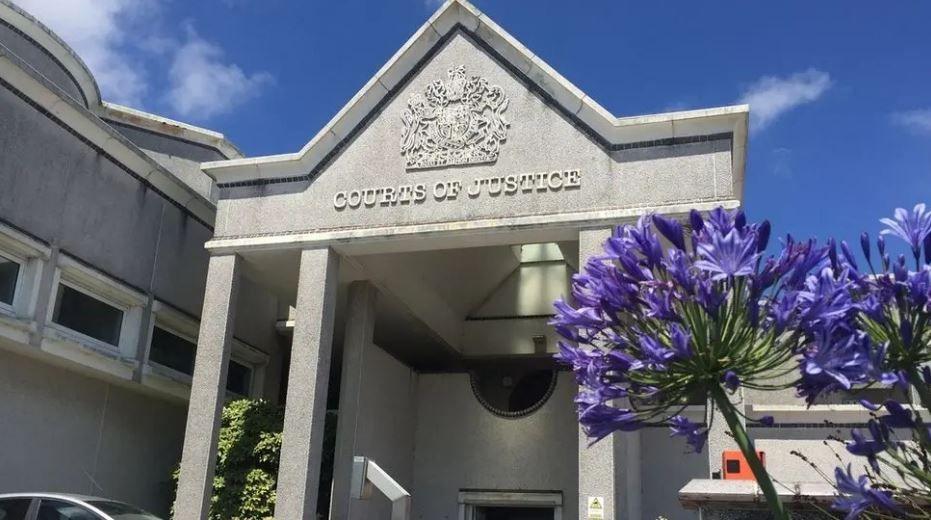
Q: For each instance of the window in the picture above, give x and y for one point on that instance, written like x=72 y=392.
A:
x=61 y=510
x=874 y=394
x=88 y=315
x=121 y=511
x=239 y=378
x=9 y=275
x=512 y=388
x=172 y=351
x=14 y=508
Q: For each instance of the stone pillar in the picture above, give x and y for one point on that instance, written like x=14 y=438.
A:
x=609 y=469
x=305 y=411
x=208 y=389
x=360 y=330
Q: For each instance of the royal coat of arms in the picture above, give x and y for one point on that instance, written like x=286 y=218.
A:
x=459 y=121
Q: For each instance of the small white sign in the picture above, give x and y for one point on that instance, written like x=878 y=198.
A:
x=596 y=508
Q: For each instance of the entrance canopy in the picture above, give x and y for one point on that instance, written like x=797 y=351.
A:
x=436 y=217
x=465 y=137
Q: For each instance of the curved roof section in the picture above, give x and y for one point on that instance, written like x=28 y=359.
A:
x=457 y=15
x=28 y=26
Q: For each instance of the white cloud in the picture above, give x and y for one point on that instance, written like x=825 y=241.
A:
x=771 y=96
x=127 y=48
x=203 y=85
x=99 y=30
x=918 y=120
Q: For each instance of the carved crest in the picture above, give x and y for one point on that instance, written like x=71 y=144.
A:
x=459 y=121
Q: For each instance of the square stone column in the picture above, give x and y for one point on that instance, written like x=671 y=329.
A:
x=360 y=331
x=208 y=389
x=305 y=410
x=610 y=469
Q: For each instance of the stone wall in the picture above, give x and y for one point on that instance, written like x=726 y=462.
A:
x=461 y=445
x=67 y=432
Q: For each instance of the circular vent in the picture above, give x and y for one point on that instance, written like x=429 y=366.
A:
x=512 y=389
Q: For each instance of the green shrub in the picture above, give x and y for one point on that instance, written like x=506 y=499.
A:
x=248 y=451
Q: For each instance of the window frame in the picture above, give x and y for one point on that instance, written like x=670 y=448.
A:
x=54 y=300
x=93 y=284
x=170 y=330
x=176 y=322
x=10 y=308
x=32 y=257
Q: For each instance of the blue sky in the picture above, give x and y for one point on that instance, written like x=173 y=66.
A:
x=840 y=90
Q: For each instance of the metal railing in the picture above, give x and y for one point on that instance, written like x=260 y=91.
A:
x=367 y=475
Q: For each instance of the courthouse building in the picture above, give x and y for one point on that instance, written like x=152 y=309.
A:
x=398 y=269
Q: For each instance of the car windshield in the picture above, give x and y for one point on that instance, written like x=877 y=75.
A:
x=121 y=511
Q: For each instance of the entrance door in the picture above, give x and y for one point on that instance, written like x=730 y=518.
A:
x=514 y=513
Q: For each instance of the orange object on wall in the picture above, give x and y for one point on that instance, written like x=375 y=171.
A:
x=734 y=465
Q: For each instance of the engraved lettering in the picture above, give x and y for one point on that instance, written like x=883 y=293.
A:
x=510 y=184
x=555 y=181
x=339 y=200
x=420 y=193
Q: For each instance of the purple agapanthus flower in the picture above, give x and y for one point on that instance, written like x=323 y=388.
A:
x=912 y=227
x=731 y=255
x=640 y=320
x=871 y=326
x=695 y=435
x=858 y=496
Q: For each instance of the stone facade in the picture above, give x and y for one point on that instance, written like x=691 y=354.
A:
x=397 y=270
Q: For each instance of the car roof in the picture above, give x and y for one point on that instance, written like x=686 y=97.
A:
x=66 y=496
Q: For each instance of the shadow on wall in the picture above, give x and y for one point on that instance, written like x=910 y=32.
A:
x=665 y=468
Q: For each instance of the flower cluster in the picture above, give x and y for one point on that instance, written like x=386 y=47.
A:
x=888 y=341
x=652 y=329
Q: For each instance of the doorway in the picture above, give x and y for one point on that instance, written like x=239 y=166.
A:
x=510 y=505
x=514 y=513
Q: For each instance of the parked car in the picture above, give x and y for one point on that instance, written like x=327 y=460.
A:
x=64 y=506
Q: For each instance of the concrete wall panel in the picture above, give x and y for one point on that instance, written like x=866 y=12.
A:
x=61 y=190
x=667 y=466
x=460 y=444
x=387 y=421
x=35 y=56
x=181 y=268
x=67 y=432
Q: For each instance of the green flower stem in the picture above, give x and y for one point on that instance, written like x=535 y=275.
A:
x=924 y=391
x=746 y=447
x=924 y=395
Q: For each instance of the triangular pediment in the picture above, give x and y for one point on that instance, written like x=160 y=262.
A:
x=457 y=21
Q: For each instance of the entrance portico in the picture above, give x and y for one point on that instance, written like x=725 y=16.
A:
x=422 y=236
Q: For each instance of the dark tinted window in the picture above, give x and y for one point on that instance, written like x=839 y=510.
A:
x=238 y=378
x=515 y=513
x=14 y=508
x=61 y=510
x=512 y=389
x=88 y=315
x=9 y=273
x=121 y=511
x=172 y=351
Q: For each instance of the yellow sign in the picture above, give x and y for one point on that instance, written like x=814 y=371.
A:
x=596 y=508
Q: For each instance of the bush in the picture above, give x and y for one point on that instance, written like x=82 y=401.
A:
x=248 y=452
